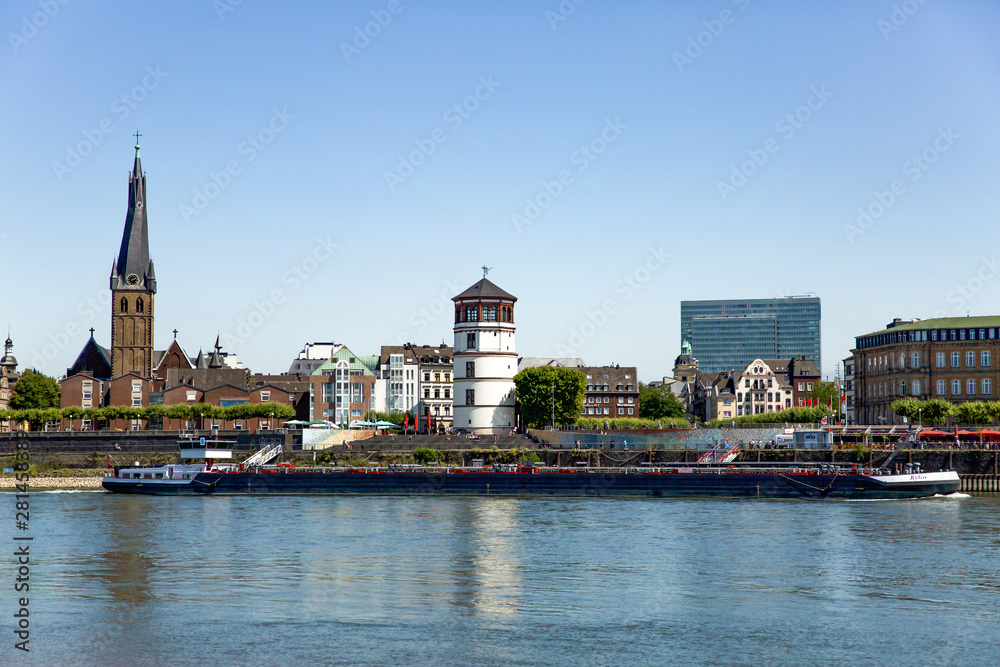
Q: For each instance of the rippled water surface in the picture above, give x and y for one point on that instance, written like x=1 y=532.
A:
x=120 y=580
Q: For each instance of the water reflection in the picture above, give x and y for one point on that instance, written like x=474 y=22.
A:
x=494 y=527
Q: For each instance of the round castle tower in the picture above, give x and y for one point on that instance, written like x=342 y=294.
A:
x=485 y=359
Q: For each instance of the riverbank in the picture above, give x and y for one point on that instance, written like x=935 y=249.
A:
x=77 y=480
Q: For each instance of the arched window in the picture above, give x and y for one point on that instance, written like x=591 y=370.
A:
x=124 y=305
x=139 y=305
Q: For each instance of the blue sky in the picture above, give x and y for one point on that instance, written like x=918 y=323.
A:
x=308 y=181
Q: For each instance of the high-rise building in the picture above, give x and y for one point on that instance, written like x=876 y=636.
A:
x=728 y=334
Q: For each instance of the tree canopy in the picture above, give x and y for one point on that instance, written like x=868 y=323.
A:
x=826 y=394
x=658 y=403
x=35 y=391
x=934 y=411
x=535 y=394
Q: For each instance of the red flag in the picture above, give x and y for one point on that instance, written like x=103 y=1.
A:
x=416 y=422
x=406 y=420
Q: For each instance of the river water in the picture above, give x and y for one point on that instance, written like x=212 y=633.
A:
x=137 y=580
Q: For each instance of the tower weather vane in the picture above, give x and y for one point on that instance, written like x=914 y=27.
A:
x=486 y=269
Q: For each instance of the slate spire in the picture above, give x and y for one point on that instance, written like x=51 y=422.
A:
x=133 y=257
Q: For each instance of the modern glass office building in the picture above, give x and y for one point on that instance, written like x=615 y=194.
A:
x=728 y=334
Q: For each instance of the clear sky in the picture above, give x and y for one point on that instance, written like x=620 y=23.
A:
x=311 y=182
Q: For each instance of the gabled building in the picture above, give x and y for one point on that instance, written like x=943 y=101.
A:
x=295 y=385
x=761 y=389
x=342 y=389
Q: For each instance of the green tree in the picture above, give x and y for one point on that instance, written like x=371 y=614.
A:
x=535 y=394
x=907 y=407
x=935 y=411
x=35 y=390
x=974 y=412
x=826 y=394
x=659 y=403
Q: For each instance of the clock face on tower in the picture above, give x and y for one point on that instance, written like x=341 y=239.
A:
x=132 y=279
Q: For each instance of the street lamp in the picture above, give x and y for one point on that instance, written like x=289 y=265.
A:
x=553 y=406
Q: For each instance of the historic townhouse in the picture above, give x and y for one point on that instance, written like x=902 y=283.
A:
x=760 y=388
x=435 y=372
x=953 y=358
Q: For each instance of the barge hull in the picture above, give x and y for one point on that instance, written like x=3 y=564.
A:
x=569 y=483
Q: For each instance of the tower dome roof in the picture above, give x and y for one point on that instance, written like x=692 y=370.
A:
x=484 y=288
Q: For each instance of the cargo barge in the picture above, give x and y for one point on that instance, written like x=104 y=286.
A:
x=701 y=480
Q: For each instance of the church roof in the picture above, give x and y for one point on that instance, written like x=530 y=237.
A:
x=93 y=358
x=484 y=288
x=133 y=256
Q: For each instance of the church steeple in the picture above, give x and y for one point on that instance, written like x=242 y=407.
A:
x=133 y=270
x=133 y=285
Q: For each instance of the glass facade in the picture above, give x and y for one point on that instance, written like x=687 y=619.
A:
x=729 y=334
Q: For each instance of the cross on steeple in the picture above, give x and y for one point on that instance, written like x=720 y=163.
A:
x=137 y=135
x=486 y=269
x=175 y=334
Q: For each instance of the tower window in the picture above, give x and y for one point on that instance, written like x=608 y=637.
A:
x=124 y=305
x=139 y=306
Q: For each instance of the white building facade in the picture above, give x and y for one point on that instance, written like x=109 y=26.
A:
x=485 y=360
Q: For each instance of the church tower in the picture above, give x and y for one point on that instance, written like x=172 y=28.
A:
x=133 y=285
